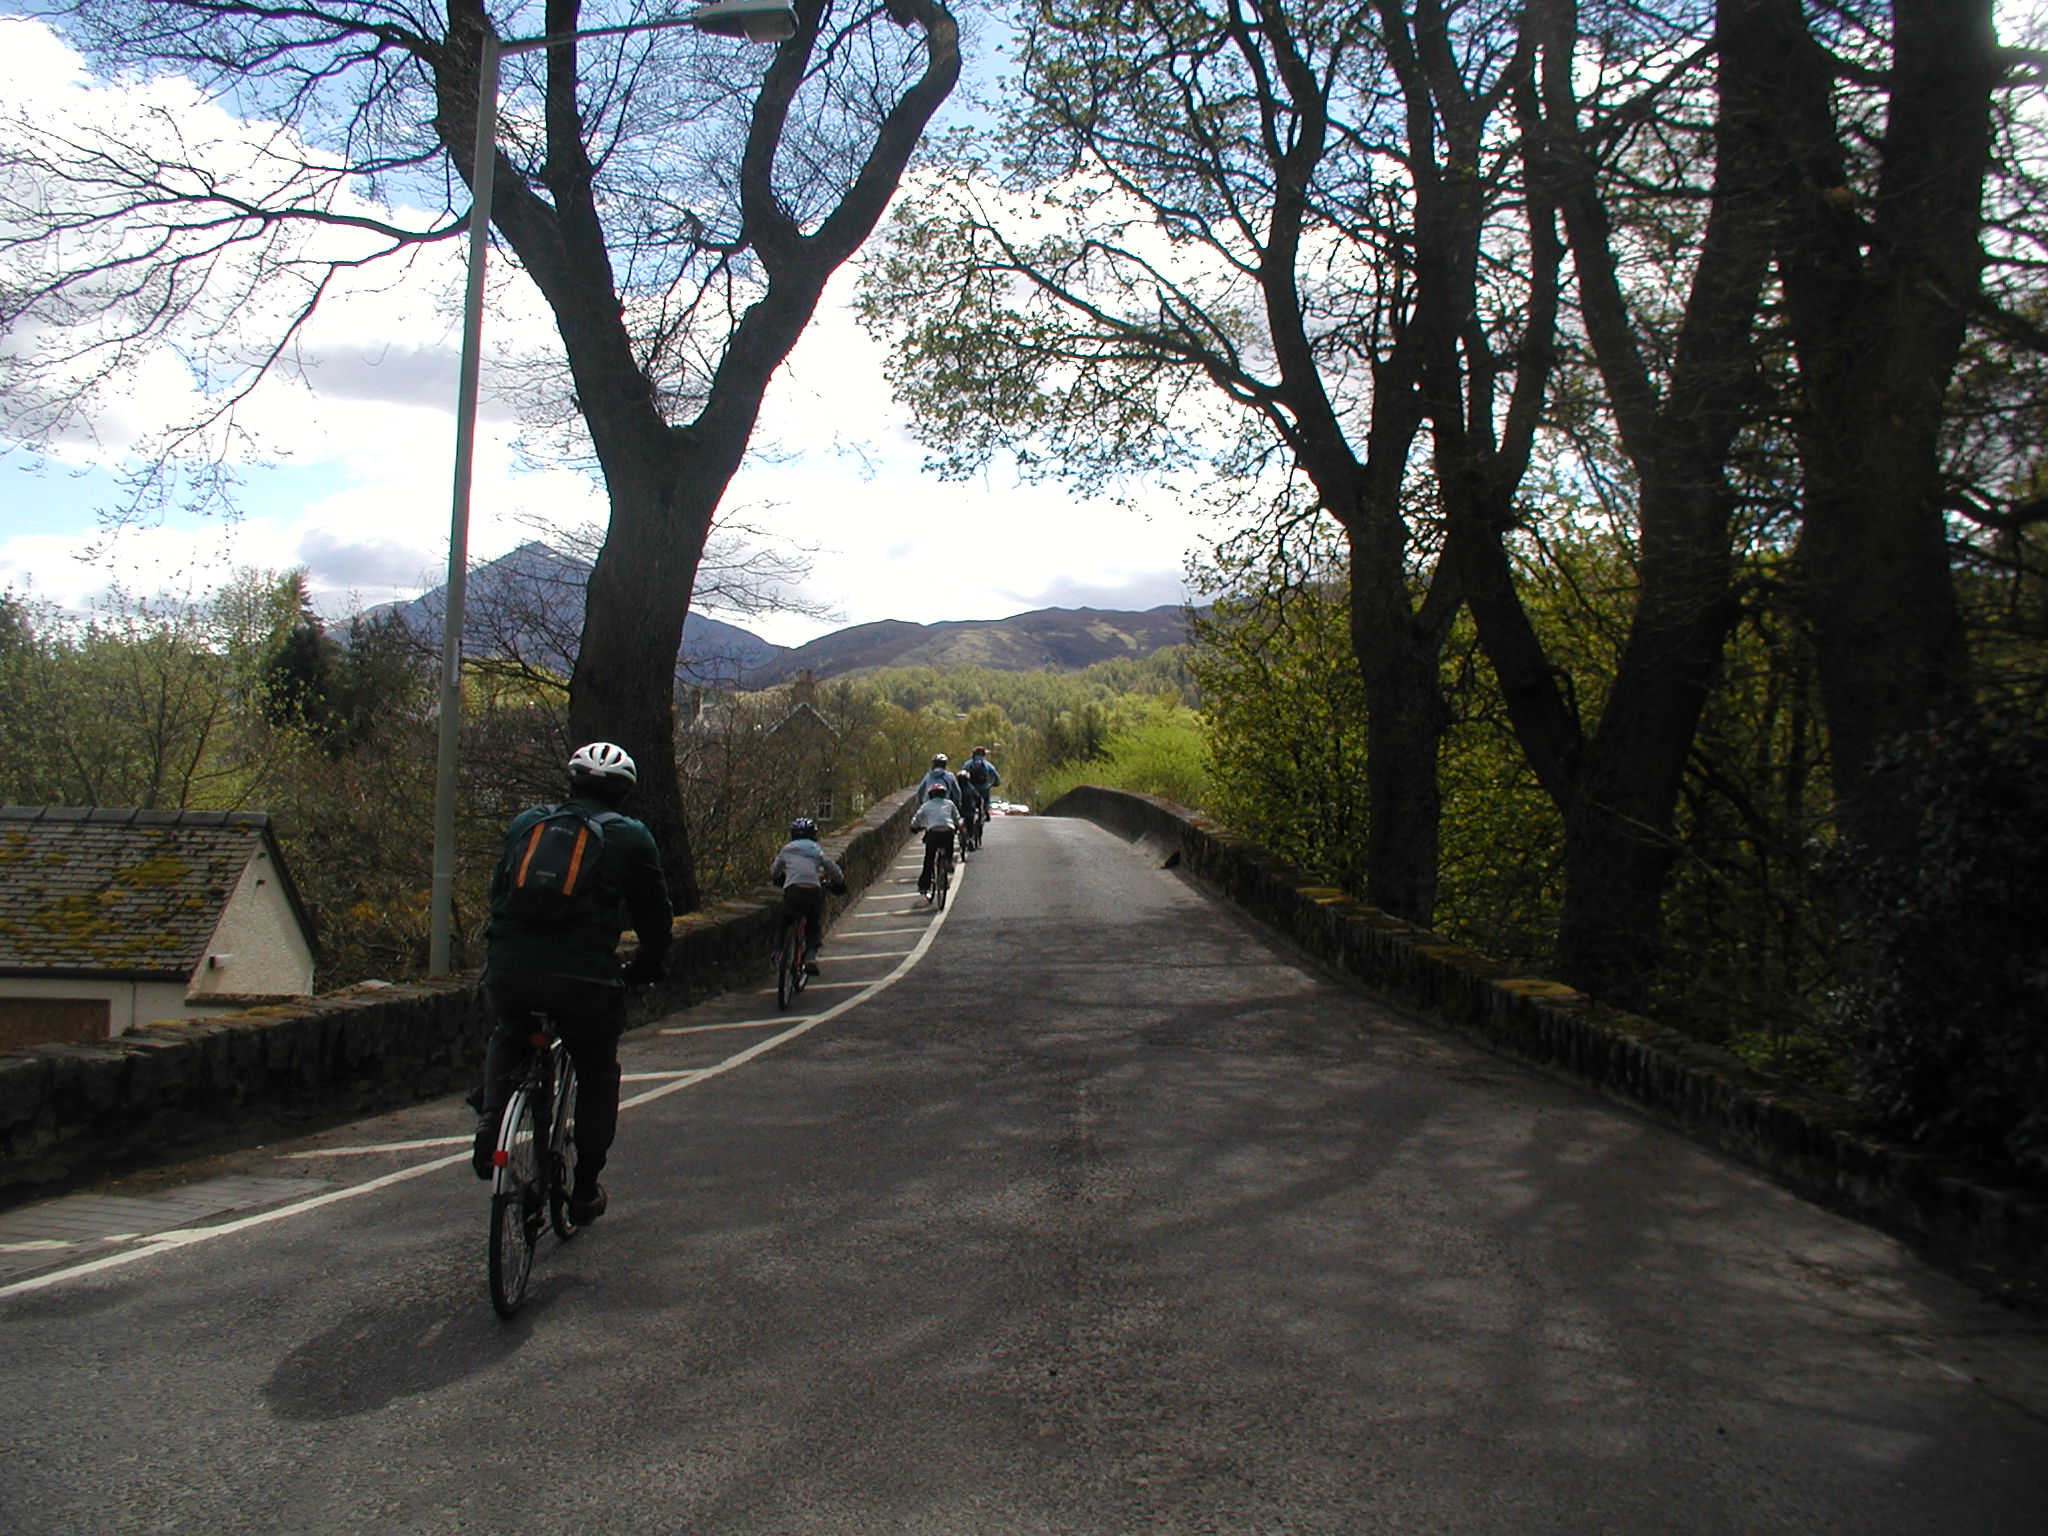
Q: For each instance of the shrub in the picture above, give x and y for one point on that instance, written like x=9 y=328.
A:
x=1942 y=1012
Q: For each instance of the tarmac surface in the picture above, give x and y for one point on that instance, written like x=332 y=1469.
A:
x=1084 y=1207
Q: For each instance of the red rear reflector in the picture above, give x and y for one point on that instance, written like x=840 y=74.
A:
x=500 y=1158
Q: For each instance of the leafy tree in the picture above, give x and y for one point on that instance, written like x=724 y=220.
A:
x=138 y=705
x=1161 y=749
x=680 y=222
x=1200 y=231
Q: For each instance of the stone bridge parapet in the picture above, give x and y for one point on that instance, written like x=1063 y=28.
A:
x=68 y=1112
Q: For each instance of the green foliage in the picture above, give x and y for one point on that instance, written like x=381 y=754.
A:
x=1160 y=748
x=1944 y=992
x=1284 y=705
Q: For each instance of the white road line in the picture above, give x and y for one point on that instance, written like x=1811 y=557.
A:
x=778 y=1019
x=165 y=1242
x=705 y=1029
x=384 y=1146
x=878 y=954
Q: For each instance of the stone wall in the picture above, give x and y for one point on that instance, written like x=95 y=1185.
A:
x=70 y=1111
x=1974 y=1220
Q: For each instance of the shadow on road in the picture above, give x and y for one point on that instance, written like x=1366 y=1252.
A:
x=414 y=1334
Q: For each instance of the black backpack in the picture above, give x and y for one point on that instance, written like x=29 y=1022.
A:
x=553 y=866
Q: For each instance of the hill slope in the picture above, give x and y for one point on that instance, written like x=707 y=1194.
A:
x=1045 y=640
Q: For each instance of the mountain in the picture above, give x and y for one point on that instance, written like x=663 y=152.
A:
x=1045 y=640
x=529 y=604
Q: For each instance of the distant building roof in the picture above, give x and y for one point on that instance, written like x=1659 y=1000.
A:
x=122 y=892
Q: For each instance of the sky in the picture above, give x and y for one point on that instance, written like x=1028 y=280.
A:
x=349 y=469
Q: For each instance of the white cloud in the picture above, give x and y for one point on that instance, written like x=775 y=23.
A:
x=364 y=428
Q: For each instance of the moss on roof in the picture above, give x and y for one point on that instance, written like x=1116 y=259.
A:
x=128 y=891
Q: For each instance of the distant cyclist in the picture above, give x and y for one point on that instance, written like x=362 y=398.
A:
x=803 y=872
x=939 y=820
x=971 y=812
x=979 y=772
x=562 y=960
x=942 y=776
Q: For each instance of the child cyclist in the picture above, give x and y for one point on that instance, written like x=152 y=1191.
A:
x=803 y=872
x=939 y=820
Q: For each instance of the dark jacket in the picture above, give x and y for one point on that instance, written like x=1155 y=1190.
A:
x=631 y=892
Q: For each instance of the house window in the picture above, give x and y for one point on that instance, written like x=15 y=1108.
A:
x=53 y=1021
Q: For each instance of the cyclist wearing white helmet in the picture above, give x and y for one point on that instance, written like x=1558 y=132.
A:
x=572 y=876
x=939 y=774
x=803 y=873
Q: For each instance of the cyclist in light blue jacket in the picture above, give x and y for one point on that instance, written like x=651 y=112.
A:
x=939 y=820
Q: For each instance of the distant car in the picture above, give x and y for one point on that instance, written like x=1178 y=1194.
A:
x=1007 y=808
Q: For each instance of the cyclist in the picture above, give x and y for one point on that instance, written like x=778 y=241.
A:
x=802 y=871
x=939 y=820
x=940 y=775
x=981 y=773
x=568 y=968
x=970 y=812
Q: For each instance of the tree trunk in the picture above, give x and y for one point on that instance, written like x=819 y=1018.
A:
x=665 y=481
x=1405 y=719
x=1879 y=281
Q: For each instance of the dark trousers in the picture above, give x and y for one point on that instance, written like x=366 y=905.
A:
x=807 y=901
x=589 y=1016
x=935 y=838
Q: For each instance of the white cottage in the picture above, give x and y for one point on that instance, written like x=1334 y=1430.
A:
x=114 y=918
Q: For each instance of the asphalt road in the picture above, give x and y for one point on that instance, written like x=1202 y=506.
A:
x=1107 y=1214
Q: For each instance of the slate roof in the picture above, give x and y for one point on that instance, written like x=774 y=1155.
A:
x=123 y=893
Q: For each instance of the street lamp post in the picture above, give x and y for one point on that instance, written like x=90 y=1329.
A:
x=760 y=21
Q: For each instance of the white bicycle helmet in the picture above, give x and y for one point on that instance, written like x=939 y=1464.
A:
x=602 y=760
x=938 y=759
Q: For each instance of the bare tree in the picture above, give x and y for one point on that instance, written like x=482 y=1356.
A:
x=1245 y=197
x=680 y=219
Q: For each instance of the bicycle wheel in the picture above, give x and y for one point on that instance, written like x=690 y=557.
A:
x=799 y=941
x=562 y=1147
x=945 y=877
x=787 y=974
x=516 y=1202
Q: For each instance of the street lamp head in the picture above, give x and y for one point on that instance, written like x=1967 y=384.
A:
x=758 y=21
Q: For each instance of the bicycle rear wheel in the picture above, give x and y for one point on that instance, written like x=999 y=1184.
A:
x=945 y=878
x=789 y=966
x=516 y=1204
x=562 y=1147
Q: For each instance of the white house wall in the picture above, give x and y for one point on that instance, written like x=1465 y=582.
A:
x=257 y=949
x=129 y=1003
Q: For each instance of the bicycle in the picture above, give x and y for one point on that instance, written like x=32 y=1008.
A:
x=942 y=877
x=536 y=1166
x=790 y=975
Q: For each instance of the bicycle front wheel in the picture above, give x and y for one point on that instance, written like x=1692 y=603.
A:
x=516 y=1205
x=562 y=1148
